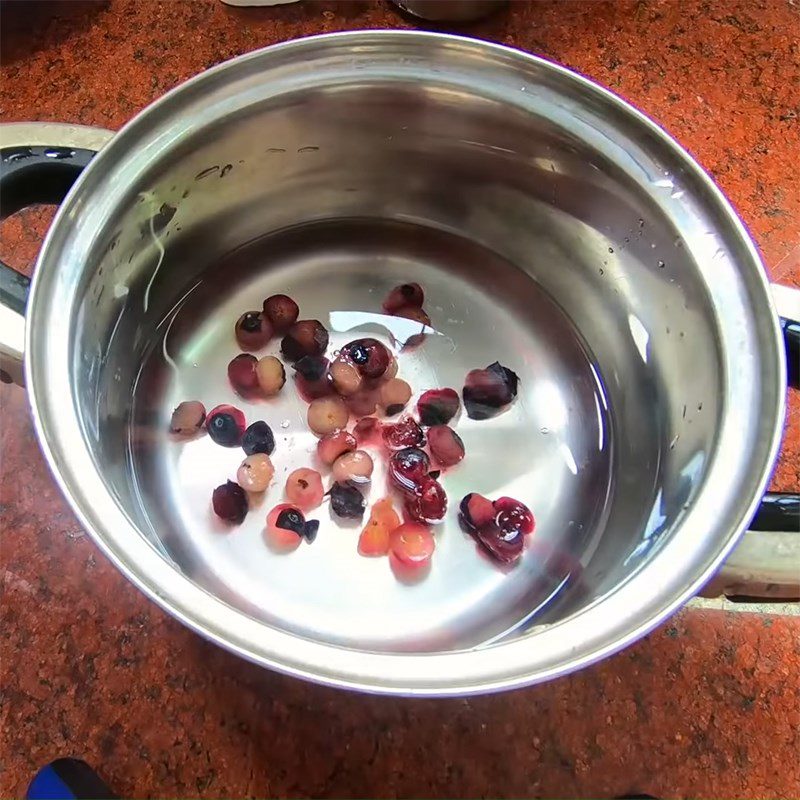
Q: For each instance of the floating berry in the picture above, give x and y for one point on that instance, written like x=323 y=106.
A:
x=428 y=503
x=445 y=445
x=367 y=430
x=225 y=425
x=488 y=391
x=504 y=546
x=255 y=473
x=270 y=374
x=242 y=374
x=281 y=311
x=355 y=467
x=408 y=467
x=412 y=544
x=374 y=539
x=405 y=433
x=230 y=502
x=438 y=406
x=187 y=419
x=313 y=379
x=369 y=356
x=346 y=501
x=304 y=488
x=305 y=338
x=394 y=394
x=475 y=511
x=345 y=377
x=327 y=414
x=253 y=330
x=407 y=294
x=333 y=445
x=511 y=515
x=258 y=438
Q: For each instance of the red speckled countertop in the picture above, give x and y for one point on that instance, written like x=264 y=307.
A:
x=707 y=706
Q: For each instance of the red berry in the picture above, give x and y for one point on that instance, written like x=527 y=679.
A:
x=369 y=356
x=405 y=433
x=475 y=511
x=304 y=488
x=253 y=330
x=511 y=515
x=445 y=444
x=412 y=544
x=230 y=502
x=408 y=467
x=503 y=546
x=242 y=374
x=367 y=430
x=281 y=311
x=428 y=503
x=226 y=425
x=407 y=294
x=305 y=338
x=438 y=406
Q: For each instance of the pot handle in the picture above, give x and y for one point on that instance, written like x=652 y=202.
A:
x=766 y=563
x=39 y=162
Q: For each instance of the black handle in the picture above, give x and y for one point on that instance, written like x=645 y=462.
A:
x=779 y=511
x=791 y=335
x=28 y=176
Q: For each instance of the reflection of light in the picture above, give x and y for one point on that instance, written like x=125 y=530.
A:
x=640 y=335
x=600 y=425
x=653 y=525
x=569 y=459
x=550 y=405
x=399 y=328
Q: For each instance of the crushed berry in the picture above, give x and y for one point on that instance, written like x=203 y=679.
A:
x=438 y=406
x=408 y=467
x=499 y=526
x=475 y=511
x=488 y=391
x=225 y=425
x=428 y=503
x=405 y=433
x=230 y=502
x=258 y=438
x=307 y=337
x=369 y=356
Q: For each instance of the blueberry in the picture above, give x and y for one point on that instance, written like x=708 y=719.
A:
x=225 y=425
x=346 y=501
x=258 y=438
x=230 y=502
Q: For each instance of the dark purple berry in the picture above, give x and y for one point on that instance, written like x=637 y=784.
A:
x=258 y=438
x=407 y=294
x=408 y=467
x=346 y=501
x=488 y=391
x=475 y=511
x=428 y=504
x=503 y=546
x=225 y=425
x=230 y=502
x=291 y=519
x=511 y=515
x=281 y=311
x=438 y=406
x=305 y=338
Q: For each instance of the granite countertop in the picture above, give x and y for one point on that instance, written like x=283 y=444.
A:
x=706 y=706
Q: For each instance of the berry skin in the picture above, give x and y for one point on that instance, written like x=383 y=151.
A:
x=369 y=356
x=225 y=425
x=355 y=467
x=230 y=502
x=255 y=473
x=327 y=414
x=408 y=467
x=346 y=501
x=304 y=488
x=281 y=311
x=333 y=445
x=394 y=394
x=258 y=438
x=270 y=374
x=428 y=504
x=412 y=544
x=253 y=330
x=445 y=445
x=374 y=539
x=475 y=511
x=307 y=337
x=187 y=419
x=500 y=526
x=407 y=294
x=438 y=406
x=488 y=391
x=242 y=374
x=405 y=433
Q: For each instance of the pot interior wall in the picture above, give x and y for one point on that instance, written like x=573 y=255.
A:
x=559 y=261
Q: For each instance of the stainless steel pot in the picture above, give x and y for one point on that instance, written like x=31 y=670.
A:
x=560 y=224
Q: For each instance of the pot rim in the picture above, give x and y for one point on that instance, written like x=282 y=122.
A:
x=503 y=665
